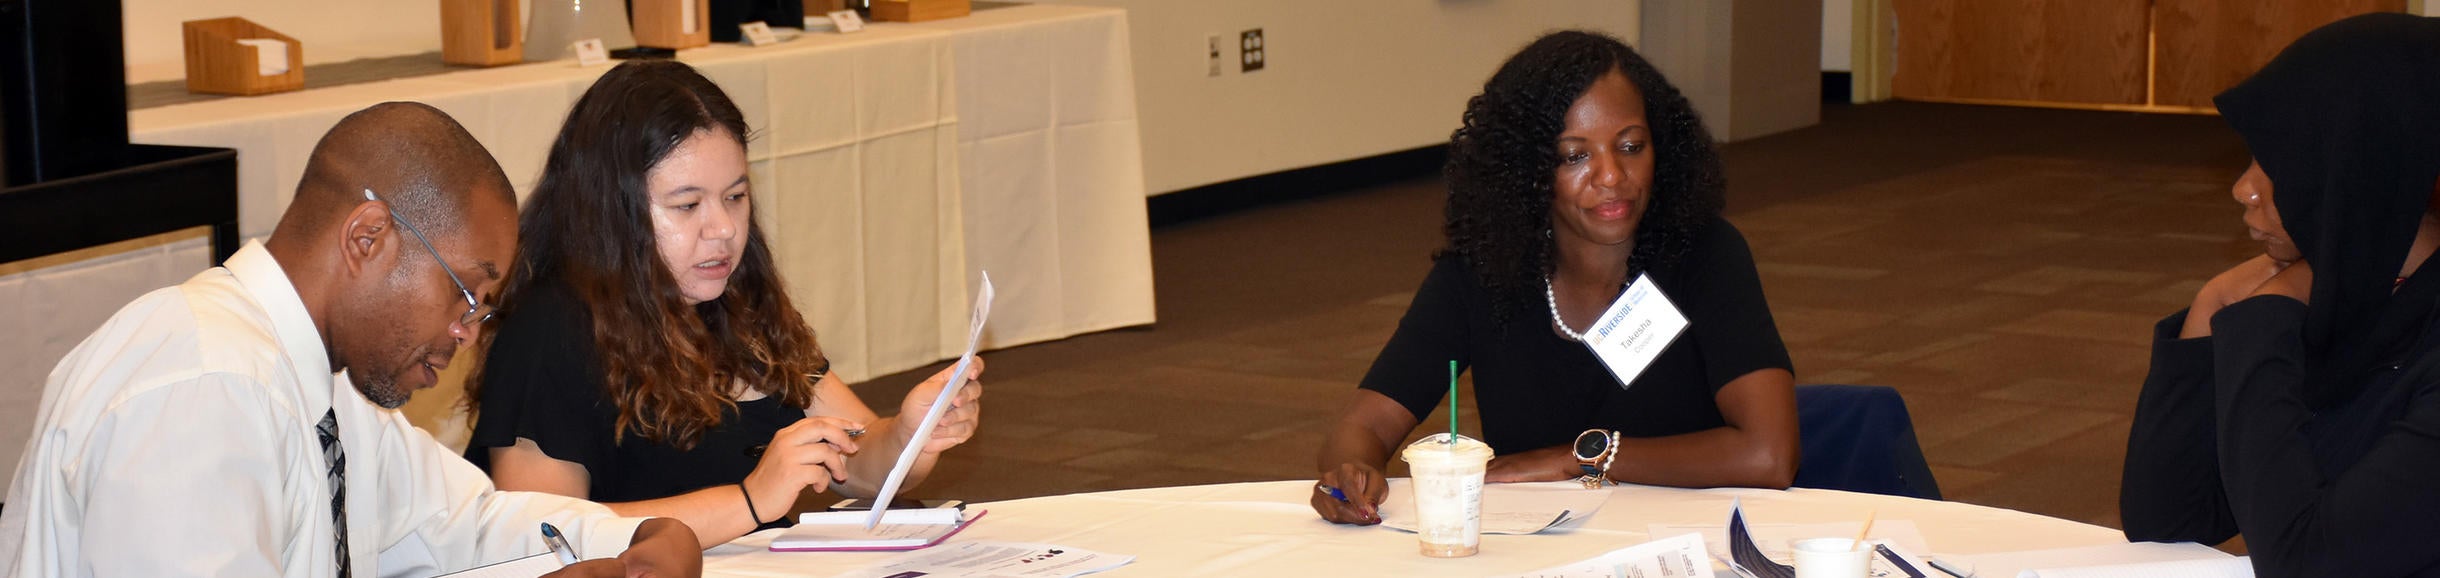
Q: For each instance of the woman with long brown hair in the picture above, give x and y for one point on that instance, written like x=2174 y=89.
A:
x=647 y=356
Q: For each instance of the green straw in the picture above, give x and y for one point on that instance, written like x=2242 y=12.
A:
x=1452 y=403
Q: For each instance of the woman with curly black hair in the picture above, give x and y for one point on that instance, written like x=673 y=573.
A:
x=1578 y=171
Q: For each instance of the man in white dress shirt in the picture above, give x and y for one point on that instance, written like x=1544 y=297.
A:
x=200 y=431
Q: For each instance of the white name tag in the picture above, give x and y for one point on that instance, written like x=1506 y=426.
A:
x=1635 y=330
x=846 y=20
x=590 y=52
x=758 y=34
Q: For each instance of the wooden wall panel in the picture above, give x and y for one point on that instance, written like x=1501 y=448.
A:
x=2206 y=46
x=2068 y=51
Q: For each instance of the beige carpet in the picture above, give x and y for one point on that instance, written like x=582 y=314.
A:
x=2000 y=267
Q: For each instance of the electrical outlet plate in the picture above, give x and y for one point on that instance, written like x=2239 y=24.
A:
x=1211 y=44
x=1249 y=50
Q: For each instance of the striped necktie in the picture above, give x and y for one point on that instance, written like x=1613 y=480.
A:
x=335 y=456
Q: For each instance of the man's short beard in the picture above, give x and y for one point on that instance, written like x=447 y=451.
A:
x=382 y=391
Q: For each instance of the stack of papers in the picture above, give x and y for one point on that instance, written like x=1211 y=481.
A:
x=923 y=429
x=1773 y=539
x=995 y=560
x=898 y=530
x=1507 y=508
x=1682 y=555
x=2150 y=559
x=1763 y=551
x=2220 y=568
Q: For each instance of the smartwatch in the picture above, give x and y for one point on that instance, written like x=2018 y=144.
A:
x=1595 y=450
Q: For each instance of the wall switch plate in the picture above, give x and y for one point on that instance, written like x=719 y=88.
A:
x=1249 y=50
x=1211 y=45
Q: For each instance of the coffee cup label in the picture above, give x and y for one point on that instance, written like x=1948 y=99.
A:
x=1633 y=332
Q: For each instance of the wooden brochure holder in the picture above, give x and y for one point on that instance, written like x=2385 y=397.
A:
x=481 y=32
x=817 y=8
x=217 y=63
x=920 y=10
x=664 y=23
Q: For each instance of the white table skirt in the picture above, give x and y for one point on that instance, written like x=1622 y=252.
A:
x=858 y=160
x=1266 y=529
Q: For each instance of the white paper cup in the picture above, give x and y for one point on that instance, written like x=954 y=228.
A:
x=1448 y=493
x=1831 y=558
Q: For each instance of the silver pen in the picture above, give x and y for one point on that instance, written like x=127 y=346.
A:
x=1952 y=570
x=558 y=544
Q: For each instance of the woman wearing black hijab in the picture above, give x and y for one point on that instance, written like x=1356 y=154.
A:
x=2298 y=401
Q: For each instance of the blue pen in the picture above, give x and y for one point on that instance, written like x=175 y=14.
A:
x=558 y=544
x=1334 y=493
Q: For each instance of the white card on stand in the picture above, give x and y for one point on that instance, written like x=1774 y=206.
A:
x=590 y=52
x=847 y=21
x=758 y=34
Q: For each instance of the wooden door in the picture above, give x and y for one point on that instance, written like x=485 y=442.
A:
x=2054 y=51
x=2206 y=46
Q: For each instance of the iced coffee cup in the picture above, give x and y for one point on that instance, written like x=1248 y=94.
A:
x=1448 y=493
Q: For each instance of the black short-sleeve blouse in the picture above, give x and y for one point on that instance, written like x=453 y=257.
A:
x=1536 y=389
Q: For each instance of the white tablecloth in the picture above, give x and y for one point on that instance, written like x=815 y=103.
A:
x=890 y=165
x=1266 y=529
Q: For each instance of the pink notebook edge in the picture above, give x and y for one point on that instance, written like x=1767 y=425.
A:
x=961 y=527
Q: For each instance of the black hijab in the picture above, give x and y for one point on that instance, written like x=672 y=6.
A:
x=2346 y=123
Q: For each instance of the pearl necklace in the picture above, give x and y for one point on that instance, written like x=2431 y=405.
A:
x=1553 y=298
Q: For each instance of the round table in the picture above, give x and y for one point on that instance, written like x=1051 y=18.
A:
x=1267 y=529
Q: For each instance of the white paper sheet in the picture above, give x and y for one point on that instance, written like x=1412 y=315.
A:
x=993 y=559
x=527 y=567
x=1507 y=508
x=2219 y=568
x=2011 y=564
x=957 y=381
x=1773 y=538
x=1677 y=556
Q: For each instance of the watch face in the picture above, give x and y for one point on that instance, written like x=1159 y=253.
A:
x=1590 y=444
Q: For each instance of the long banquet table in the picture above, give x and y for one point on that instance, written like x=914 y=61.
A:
x=1266 y=529
x=889 y=166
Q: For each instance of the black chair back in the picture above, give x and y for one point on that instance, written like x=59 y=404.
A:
x=1859 y=438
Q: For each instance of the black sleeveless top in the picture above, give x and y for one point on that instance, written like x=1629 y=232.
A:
x=543 y=381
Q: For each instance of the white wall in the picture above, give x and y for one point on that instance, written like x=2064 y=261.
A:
x=1750 y=67
x=1838 y=35
x=331 y=30
x=1344 y=79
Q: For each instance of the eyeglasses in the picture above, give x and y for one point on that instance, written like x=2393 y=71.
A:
x=476 y=311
